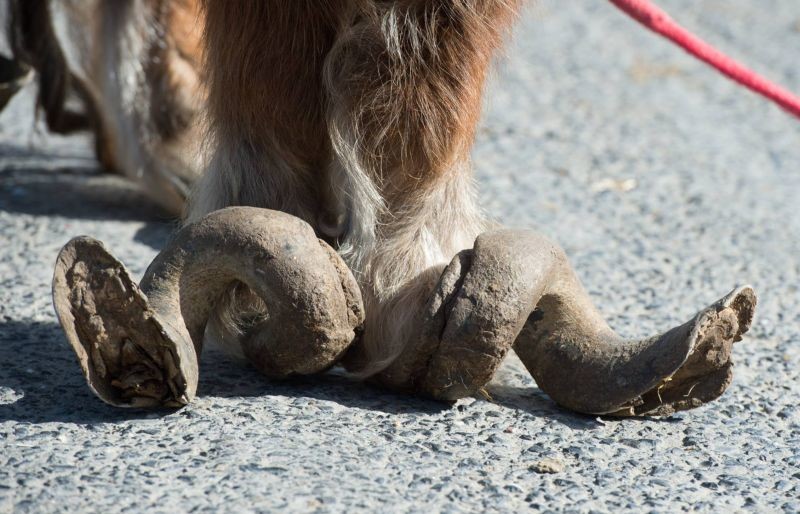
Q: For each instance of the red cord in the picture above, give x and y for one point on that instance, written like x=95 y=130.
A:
x=652 y=17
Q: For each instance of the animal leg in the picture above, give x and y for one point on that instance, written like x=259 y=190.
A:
x=516 y=288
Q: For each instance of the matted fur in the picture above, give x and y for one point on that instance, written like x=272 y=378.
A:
x=357 y=116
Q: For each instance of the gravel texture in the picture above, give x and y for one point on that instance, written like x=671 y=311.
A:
x=667 y=186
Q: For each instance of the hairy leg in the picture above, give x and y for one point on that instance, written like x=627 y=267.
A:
x=266 y=105
x=404 y=81
x=134 y=69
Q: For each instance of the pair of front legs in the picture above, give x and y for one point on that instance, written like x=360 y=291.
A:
x=361 y=126
x=139 y=346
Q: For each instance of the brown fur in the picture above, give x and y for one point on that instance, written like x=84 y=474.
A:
x=178 y=85
x=413 y=93
x=266 y=97
x=357 y=116
x=413 y=100
x=33 y=41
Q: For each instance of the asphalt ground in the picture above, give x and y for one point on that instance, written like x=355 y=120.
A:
x=667 y=186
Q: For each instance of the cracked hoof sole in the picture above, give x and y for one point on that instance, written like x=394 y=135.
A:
x=123 y=350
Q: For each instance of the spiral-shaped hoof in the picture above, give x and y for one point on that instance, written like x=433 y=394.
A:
x=138 y=346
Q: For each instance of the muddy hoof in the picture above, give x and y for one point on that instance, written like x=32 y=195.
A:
x=516 y=287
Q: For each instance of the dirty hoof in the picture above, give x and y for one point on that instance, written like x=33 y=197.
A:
x=138 y=346
x=708 y=370
x=123 y=349
x=516 y=287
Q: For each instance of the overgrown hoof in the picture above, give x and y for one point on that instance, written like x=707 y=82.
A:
x=708 y=369
x=125 y=352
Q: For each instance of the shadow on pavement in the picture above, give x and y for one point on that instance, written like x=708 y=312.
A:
x=46 y=385
x=41 y=184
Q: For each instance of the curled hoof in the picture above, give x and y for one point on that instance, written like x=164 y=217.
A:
x=125 y=352
x=138 y=345
x=516 y=288
x=708 y=369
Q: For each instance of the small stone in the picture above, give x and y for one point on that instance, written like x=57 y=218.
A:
x=548 y=466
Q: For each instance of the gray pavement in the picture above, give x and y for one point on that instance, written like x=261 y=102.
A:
x=667 y=186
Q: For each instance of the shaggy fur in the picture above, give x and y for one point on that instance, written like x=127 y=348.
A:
x=133 y=68
x=357 y=116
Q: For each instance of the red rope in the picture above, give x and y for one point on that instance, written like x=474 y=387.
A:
x=652 y=17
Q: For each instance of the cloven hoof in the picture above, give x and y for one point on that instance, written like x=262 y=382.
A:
x=138 y=345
